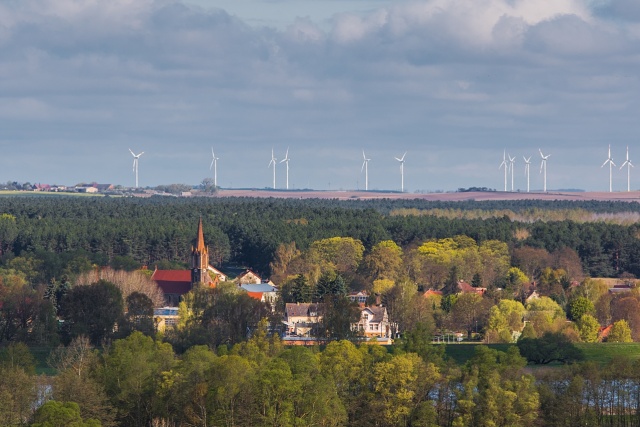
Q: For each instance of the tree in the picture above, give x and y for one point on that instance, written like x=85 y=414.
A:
x=127 y=281
x=8 y=232
x=588 y=327
x=384 y=261
x=139 y=314
x=92 y=310
x=580 y=306
x=75 y=381
x=58 y=414
x=131 y=370
x=469 y=311
x=451 y=284
x=505 y=318
x=339 y=315
x=620 y=332
x=551 y=347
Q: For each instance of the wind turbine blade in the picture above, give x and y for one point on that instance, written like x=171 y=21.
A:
x=402 y=158
x=626 y=162
x=363 y=156
x=541 y=155
x=212 y=161
x=363 y=163
x=605 y=162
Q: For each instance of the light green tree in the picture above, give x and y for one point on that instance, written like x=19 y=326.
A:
x=588 y=327
x=620 y=332
x=59 y=414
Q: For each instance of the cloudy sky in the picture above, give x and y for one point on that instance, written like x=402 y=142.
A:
x=452 y=82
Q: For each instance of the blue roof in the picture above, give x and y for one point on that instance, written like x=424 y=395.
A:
x=262 y=287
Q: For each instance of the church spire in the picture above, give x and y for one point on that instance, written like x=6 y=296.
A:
x=199 y=259
x=200 y=247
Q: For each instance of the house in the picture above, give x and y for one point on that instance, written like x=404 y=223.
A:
x=263 y=292
x=432 y=293
x=374 y=322
x=247 y=277
x=466 y=288
x=302 y=319
x=165 y=317
x=86 y=189
x=532 y=295
x=175 y=283
x=219 y=274
x=359 y=297
x=620 y=288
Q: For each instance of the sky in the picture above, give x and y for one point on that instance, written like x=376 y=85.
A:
x=454 y=83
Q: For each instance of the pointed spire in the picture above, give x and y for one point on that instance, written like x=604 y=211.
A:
x=200 y=247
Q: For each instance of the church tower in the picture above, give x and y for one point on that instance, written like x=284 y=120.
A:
x=199 y=259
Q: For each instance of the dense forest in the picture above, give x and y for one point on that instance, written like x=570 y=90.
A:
x=248 y=231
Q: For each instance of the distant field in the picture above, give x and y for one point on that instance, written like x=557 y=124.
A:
x=632 y=196
x=46 y=193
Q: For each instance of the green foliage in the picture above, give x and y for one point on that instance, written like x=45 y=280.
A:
x=550 y=347
x=91 y=310
x=580 y=306
x=59 y=414
x=620 y=332
x=588 y=327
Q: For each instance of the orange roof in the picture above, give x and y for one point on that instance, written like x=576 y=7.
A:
x=255 y=295
x=431 y=292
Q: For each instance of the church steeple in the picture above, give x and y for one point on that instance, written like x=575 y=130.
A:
x=199 y=259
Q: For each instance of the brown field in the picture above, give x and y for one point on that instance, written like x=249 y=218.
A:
x=632 y=196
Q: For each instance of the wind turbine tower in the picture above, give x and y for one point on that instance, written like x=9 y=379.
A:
x=543 y=166
x=214 y=165
x=611 y=165
x=512 y=162
x=286 y=160
x=401 y=160
x=273 y=162
x=629 y=165
x=527 y=162
x=365 y=167
x=505 y=166
x=135 y=163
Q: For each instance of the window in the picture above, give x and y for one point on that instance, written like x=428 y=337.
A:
x=366 y=317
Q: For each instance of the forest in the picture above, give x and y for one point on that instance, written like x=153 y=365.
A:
x=75 y=292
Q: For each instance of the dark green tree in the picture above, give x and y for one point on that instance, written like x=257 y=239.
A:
x=92 y=310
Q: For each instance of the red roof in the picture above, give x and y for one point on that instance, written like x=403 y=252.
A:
x=430 y=292
x=173 y=281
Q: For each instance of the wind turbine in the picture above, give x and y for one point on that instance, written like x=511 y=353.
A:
x=504 y=164
x=527 y=162
x=629 y=165
x=401 y=160
x=273 y=162
x=286 y=160
x=543 y=165
x=365 y=167
x=512 y=162
x=611 y=165
x=135 y=163
x=214 y=165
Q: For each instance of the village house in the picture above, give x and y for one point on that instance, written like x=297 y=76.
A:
x=359 y=297
x=302 y=319
x=374 y=322
x=263 y=292
x=247 y=277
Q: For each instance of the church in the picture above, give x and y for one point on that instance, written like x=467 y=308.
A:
x=175 y=283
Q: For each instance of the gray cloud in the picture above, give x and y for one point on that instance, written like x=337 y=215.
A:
x=451 y=81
